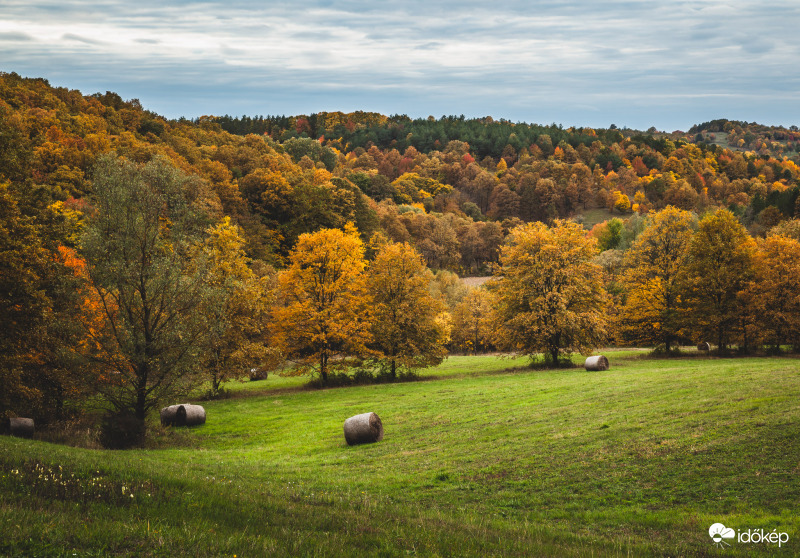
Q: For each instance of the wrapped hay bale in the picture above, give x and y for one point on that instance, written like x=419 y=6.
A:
x=183 y=415
x=363 y=429
x=704 y=346
x=598 y=362
x=20 y=427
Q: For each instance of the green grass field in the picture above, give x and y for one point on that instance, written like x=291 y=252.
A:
x=596 y=215
x=483 y=458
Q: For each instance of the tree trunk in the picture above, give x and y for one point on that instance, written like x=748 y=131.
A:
x=140 y=407
x=323 y=366
x=216 y=381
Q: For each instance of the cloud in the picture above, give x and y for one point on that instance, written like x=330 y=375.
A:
x=15 y=37
x=625 y=61
x=78 y=38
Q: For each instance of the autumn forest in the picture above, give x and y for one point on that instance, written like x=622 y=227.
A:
x=142 y=258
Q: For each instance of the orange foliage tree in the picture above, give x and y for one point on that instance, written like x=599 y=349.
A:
x=406 y=328
x=323 y=313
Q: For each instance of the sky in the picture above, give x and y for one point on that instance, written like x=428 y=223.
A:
x=635 y=64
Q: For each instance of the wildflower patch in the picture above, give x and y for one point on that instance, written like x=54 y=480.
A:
x=53 y=482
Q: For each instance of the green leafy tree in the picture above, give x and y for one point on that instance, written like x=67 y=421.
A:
x=549 y=294
x=138 y=246
x=609 y=234
x=405 y=317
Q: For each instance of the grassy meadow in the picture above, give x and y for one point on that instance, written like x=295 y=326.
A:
x=484 y=457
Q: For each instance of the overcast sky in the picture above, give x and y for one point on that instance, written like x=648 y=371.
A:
x=633 y=63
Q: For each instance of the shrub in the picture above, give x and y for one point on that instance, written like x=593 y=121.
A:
x=121 y=430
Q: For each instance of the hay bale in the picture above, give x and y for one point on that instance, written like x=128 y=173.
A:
x=20 y=427
x=704 y=346
x=183 y=415
x=363 y=429
x=597 y=362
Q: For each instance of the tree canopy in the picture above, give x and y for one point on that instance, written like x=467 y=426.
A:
x=549 y=293
x=323 y=311
x=138 y=245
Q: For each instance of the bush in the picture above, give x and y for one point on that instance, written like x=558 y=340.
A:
x=364 y=376
x=121 y=430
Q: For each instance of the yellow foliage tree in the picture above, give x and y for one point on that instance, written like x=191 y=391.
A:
x=549 y=294
x=651 y=313
x=622 y=202
x=323 y=309
x=472 y=322
x=237 y=312
x=405 y=328
x=411 y=187
x=718 y=267
x=775 y=290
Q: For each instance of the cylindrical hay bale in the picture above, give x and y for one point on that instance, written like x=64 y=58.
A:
x=21 y=427
x=195 y=415
x=169 y=415
x=363 y=429
x=703 y=346
x=257 y=374
x=597 y=362
x=183 y=415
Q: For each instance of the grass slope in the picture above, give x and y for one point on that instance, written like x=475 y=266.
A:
x=483 y=459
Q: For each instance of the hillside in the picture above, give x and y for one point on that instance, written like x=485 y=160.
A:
x=453 y=187
x=479 y=460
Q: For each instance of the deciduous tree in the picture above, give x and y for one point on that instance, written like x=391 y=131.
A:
x=472 y=322
x=549 y=293
x=138 y=248
x=237 y=312
x=718 y=267
x=25 y=307
x=651 y=313
x=323 y=310
x=775 y=290
x=405 y=328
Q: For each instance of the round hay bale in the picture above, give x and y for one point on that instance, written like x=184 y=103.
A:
x=363 y=429
x=21 y=427
x=169 y=415
x=183 y=415
x=597 y=362
x=704 y=346
x=195 y=415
